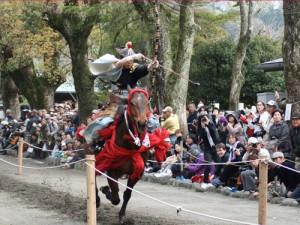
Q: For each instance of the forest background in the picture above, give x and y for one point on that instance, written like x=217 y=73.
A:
x=42 y=43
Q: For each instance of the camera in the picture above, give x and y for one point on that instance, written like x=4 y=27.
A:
x=203 y=119
x=256 y=120
x=254 y=145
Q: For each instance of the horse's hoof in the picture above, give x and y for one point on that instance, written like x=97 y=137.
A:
x=122 y=219
x=104 y=189
x=98 y=202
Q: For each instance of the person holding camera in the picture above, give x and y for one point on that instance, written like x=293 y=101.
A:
x=250 y=177
x=210 y=138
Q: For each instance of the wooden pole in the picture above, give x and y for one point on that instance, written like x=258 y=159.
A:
x=91 y=190
x=20 y=155
x=263 y=191
x=181 y=155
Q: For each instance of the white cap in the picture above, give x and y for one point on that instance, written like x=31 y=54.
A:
x=271 y=102
x=252 y=140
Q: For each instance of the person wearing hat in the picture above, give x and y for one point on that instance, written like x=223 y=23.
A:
x=295 y=138
x=122 y=72
x=279 y=135
x=8 y=118
x=195 y=167
x=170 y=122
x=250 y=177
x=254 y=147
x=286 y=175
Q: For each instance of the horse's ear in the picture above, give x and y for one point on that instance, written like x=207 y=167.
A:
x=129 y=88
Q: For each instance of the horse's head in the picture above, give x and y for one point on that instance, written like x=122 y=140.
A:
x=138 y=108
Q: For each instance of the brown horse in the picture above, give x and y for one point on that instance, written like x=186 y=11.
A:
x=125 y=147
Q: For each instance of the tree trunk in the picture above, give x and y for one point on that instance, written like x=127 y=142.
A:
x=36 y=89
x=76 y=26
x=170 y=89
x=178 y=91
x=237 y=78
x=291 y=52
x=10 y=96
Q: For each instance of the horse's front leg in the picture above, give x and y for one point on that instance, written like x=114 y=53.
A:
x=112 y=191
x=126 y=197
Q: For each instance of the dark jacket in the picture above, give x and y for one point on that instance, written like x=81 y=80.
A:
x=289 y=178
x=295 y=140
x=213 y=133
x=131 y=76
x=220 y=167
x=281 y=133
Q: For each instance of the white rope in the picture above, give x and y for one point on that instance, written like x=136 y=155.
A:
x=43 y=168
x=297 y=171
x=45 y=150
x=204 y=164
x=178 y=208
x=137 y=140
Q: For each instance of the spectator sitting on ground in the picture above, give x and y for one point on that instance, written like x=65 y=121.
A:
x=224 y=156
x=191 y=143
x=196 y=166
x=236 y=152
x=253 y=153
x=289 y=178
x=169 y=162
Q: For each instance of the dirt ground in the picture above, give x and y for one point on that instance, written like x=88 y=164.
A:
x=51 y=196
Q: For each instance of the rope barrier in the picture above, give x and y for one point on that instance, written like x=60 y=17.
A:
x=205 y=164
x=277 y=164
x=178 y=208
x=45 y=150
x=44 y=168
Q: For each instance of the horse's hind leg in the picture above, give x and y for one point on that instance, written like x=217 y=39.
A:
x=126 y=197
x=98 y=202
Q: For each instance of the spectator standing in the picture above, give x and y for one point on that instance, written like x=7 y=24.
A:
x=32 y=122
x=170 y=122
x=52 y=132
x=233 y=127
x=210 y=138
x=8 y=117
x=295 y=138
x=279 y=135
x=260 y=120
x=192 y=118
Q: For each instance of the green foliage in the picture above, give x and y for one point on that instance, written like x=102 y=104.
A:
x=261 y=49
x=211 y=66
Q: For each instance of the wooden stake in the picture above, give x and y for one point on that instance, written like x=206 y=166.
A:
x=20 y=155
x=263 y=191
x=91 y=190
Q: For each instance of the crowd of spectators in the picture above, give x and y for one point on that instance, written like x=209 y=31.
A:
x=224 y=148
x=46 y=133
x=232 y=140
